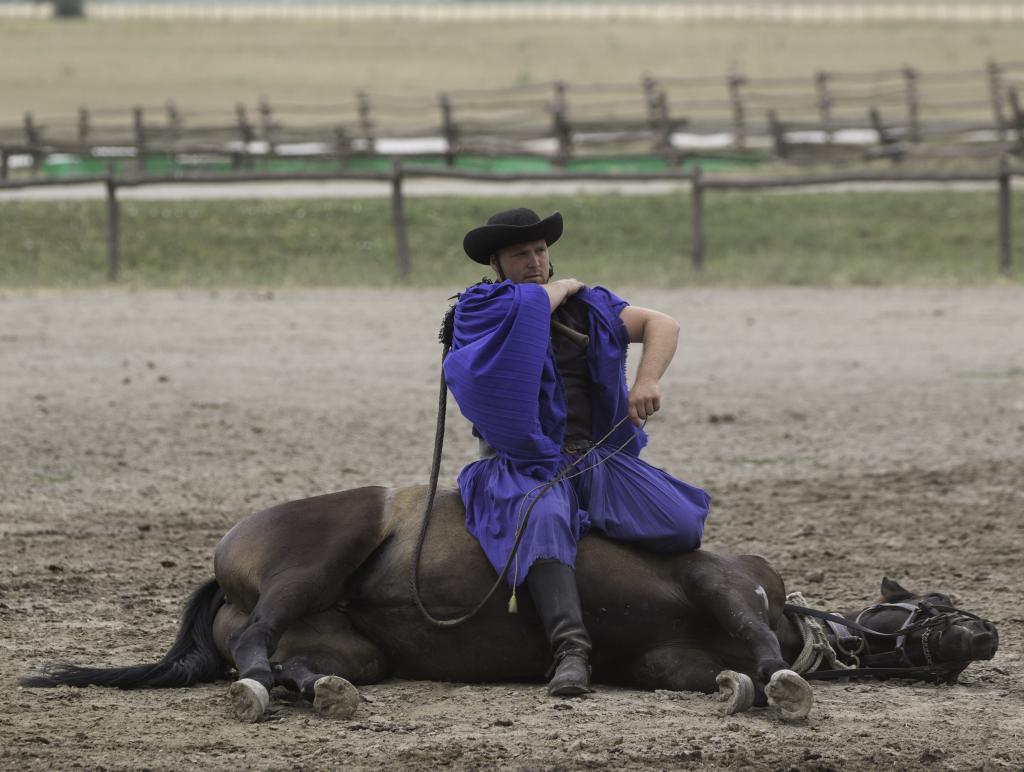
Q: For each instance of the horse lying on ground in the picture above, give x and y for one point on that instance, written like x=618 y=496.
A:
x=314 y=594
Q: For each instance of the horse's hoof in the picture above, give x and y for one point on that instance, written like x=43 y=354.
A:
x=335 y=697
x=735 y=690
x=248 y=699
x=790 y=695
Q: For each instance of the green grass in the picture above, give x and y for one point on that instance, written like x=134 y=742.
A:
x=752 y=239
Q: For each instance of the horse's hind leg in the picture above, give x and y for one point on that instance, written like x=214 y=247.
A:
x=287 y=599
x=322 y=656
x=332 y=695
x=286 y=563
x=319 y=656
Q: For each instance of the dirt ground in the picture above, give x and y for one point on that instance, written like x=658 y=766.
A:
x=844 y=434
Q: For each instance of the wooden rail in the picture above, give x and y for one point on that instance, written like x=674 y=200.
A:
x=699 y=183
x=796 y=118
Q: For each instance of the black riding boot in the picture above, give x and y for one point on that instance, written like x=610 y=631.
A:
x=552 y=587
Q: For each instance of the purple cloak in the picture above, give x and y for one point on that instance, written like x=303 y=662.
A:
x=502 y=373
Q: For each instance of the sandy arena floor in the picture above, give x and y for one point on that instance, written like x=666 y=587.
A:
x=844 y=434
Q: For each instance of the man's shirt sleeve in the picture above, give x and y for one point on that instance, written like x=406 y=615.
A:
x=494 y=369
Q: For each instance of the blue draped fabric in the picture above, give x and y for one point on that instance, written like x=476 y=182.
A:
x=502 y=373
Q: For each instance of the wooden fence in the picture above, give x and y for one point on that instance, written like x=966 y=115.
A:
x=698 y=182
x=825 y=117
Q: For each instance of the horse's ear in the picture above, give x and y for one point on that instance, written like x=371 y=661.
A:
x=892 y=591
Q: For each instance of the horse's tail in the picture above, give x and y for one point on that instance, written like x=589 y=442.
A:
x=192 y=658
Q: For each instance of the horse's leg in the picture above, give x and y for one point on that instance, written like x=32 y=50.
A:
x=319 y=656
x=286 y=563
x=322 y=656
x=283 y=601
x=738 y=596
x=331 y=695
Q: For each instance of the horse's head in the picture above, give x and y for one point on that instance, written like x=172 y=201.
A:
x=936 y=634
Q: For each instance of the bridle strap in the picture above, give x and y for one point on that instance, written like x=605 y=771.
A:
x=934 y=615
x=912 y=610
x=904 y=631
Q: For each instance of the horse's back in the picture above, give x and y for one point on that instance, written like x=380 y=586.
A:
x=452 y=568
x=377 y=530
x=303 y=535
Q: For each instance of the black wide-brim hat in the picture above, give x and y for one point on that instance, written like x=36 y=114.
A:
x=513 y=226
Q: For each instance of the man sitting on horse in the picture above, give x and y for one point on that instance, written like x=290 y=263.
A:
x=542 y=397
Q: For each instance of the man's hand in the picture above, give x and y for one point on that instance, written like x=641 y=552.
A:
x=644 y=401
x=659 y=333
x=559 y=290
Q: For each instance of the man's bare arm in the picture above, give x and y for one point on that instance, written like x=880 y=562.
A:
x=659 y=334
x=559 y=290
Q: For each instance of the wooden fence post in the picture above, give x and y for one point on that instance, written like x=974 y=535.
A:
x=3 y=163
x=664 y=144
x=245 y=134
x=1005 y=218
x=140 y=140
x=1018 y=117
x=366 y=121
x=995 y=90
x=398 y=220
x=342 y=145
x=739 y=122
x=448 y=129
x=876 y=123
x=173 y=121
x=650 y=87
x=83 y=127
x=910 y=88
x=778 y=135
x=560 y=121
x=697 y=219
x=821 y=79
x=885 y=139
x=113 y=227
x=32 y=139
x=267 y=125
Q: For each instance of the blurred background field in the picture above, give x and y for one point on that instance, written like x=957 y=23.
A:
x=55 y=67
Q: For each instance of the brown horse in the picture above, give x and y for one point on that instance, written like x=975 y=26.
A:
x=315 y=594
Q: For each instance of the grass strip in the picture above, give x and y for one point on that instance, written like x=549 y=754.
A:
x=753 y=239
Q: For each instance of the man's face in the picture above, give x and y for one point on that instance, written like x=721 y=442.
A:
x=524 y=263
